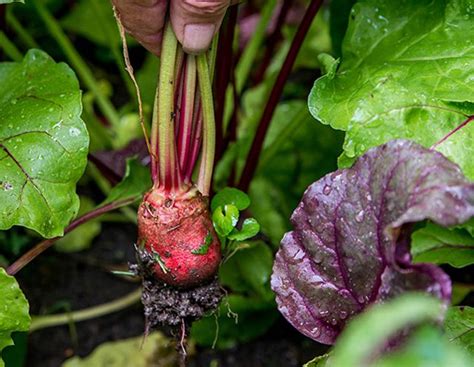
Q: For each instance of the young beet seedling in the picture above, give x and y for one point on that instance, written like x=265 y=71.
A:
x=178 y=250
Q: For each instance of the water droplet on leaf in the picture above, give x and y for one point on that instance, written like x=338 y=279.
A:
x=327 y=190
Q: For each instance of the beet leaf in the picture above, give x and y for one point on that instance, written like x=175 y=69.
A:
x=350 y=246
x=43 y=144
x=14 y=308
x=406 y=72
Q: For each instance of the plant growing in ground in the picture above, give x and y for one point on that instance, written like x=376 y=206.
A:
x=177 y=244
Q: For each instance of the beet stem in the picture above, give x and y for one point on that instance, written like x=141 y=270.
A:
x=209 y=127
x=196 y=137
x=46 y=244
x=187 y=112
x=277 y=90
x=170 y=175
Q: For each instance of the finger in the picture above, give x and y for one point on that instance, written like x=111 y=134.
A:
x=144 y=20
x=196 y=21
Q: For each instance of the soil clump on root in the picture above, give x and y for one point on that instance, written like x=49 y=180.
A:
x=169 y=305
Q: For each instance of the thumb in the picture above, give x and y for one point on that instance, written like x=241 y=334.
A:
x=196 y=21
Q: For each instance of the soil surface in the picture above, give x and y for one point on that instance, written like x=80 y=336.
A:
x=57 y=282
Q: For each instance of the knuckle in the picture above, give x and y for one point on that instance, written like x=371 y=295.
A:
x=207 y=7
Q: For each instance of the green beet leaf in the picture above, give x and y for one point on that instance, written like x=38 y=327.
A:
x=250 y=228
x=43 y=144
x=426 y=347
x=288 y=164
x=81 y=238
x=225 y=219
x=134 y=183
x=136 y=352
x=93 y=20
x=372 y=329
x=440 y=245
x=249 y=270
x=406 y=72
x=319 y=361
x=459 y=326
x=230 y=195
x=14 y=308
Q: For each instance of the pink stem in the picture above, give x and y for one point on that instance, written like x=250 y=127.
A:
x=187 y=115
x=456 y=129
x=196 y=140
x=42 y=246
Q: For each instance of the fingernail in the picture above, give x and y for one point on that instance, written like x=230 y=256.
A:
x=197 y=37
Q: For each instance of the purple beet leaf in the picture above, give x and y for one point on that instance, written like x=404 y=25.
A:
x=350 y=246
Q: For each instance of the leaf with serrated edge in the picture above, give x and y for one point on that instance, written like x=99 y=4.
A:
x=14 y=309
x=43 y=144
x=351 y=239
x=406 y=72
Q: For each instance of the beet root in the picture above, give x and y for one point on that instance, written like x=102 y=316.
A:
x=177 y=231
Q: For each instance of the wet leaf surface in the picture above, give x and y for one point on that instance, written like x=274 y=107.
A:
x=406 y=72
x=351 y=239
x=14 y=309
x=43 y=144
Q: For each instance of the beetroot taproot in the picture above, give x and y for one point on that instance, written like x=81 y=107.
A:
x=176 y=230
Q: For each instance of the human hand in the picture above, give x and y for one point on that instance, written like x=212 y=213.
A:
x=194 y=21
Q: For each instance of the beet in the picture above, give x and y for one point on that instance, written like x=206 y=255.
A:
x=177 y=231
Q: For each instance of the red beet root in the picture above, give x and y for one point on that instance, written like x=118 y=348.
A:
x=177 y=231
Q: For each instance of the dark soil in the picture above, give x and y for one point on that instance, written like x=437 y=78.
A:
x=61 y=282
x=167 y=305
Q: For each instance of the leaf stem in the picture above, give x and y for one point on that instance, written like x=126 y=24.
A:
x=78 y=63
x=257 y=144
x=114 y=48
x=209 y=126
x=186 y=113
x=163 y=133
x=247 y=60
x=225 y=68
x=18 y=28
x=457 y=128
x=130 y=71
x=272 y=41
x=42 y=322
x=9 y=47
x=284 y=135
x=42 y=246
x=212 y=57
x=196 y=136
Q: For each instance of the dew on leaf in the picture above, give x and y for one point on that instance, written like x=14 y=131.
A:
x=74 y=131
x=327 y=190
